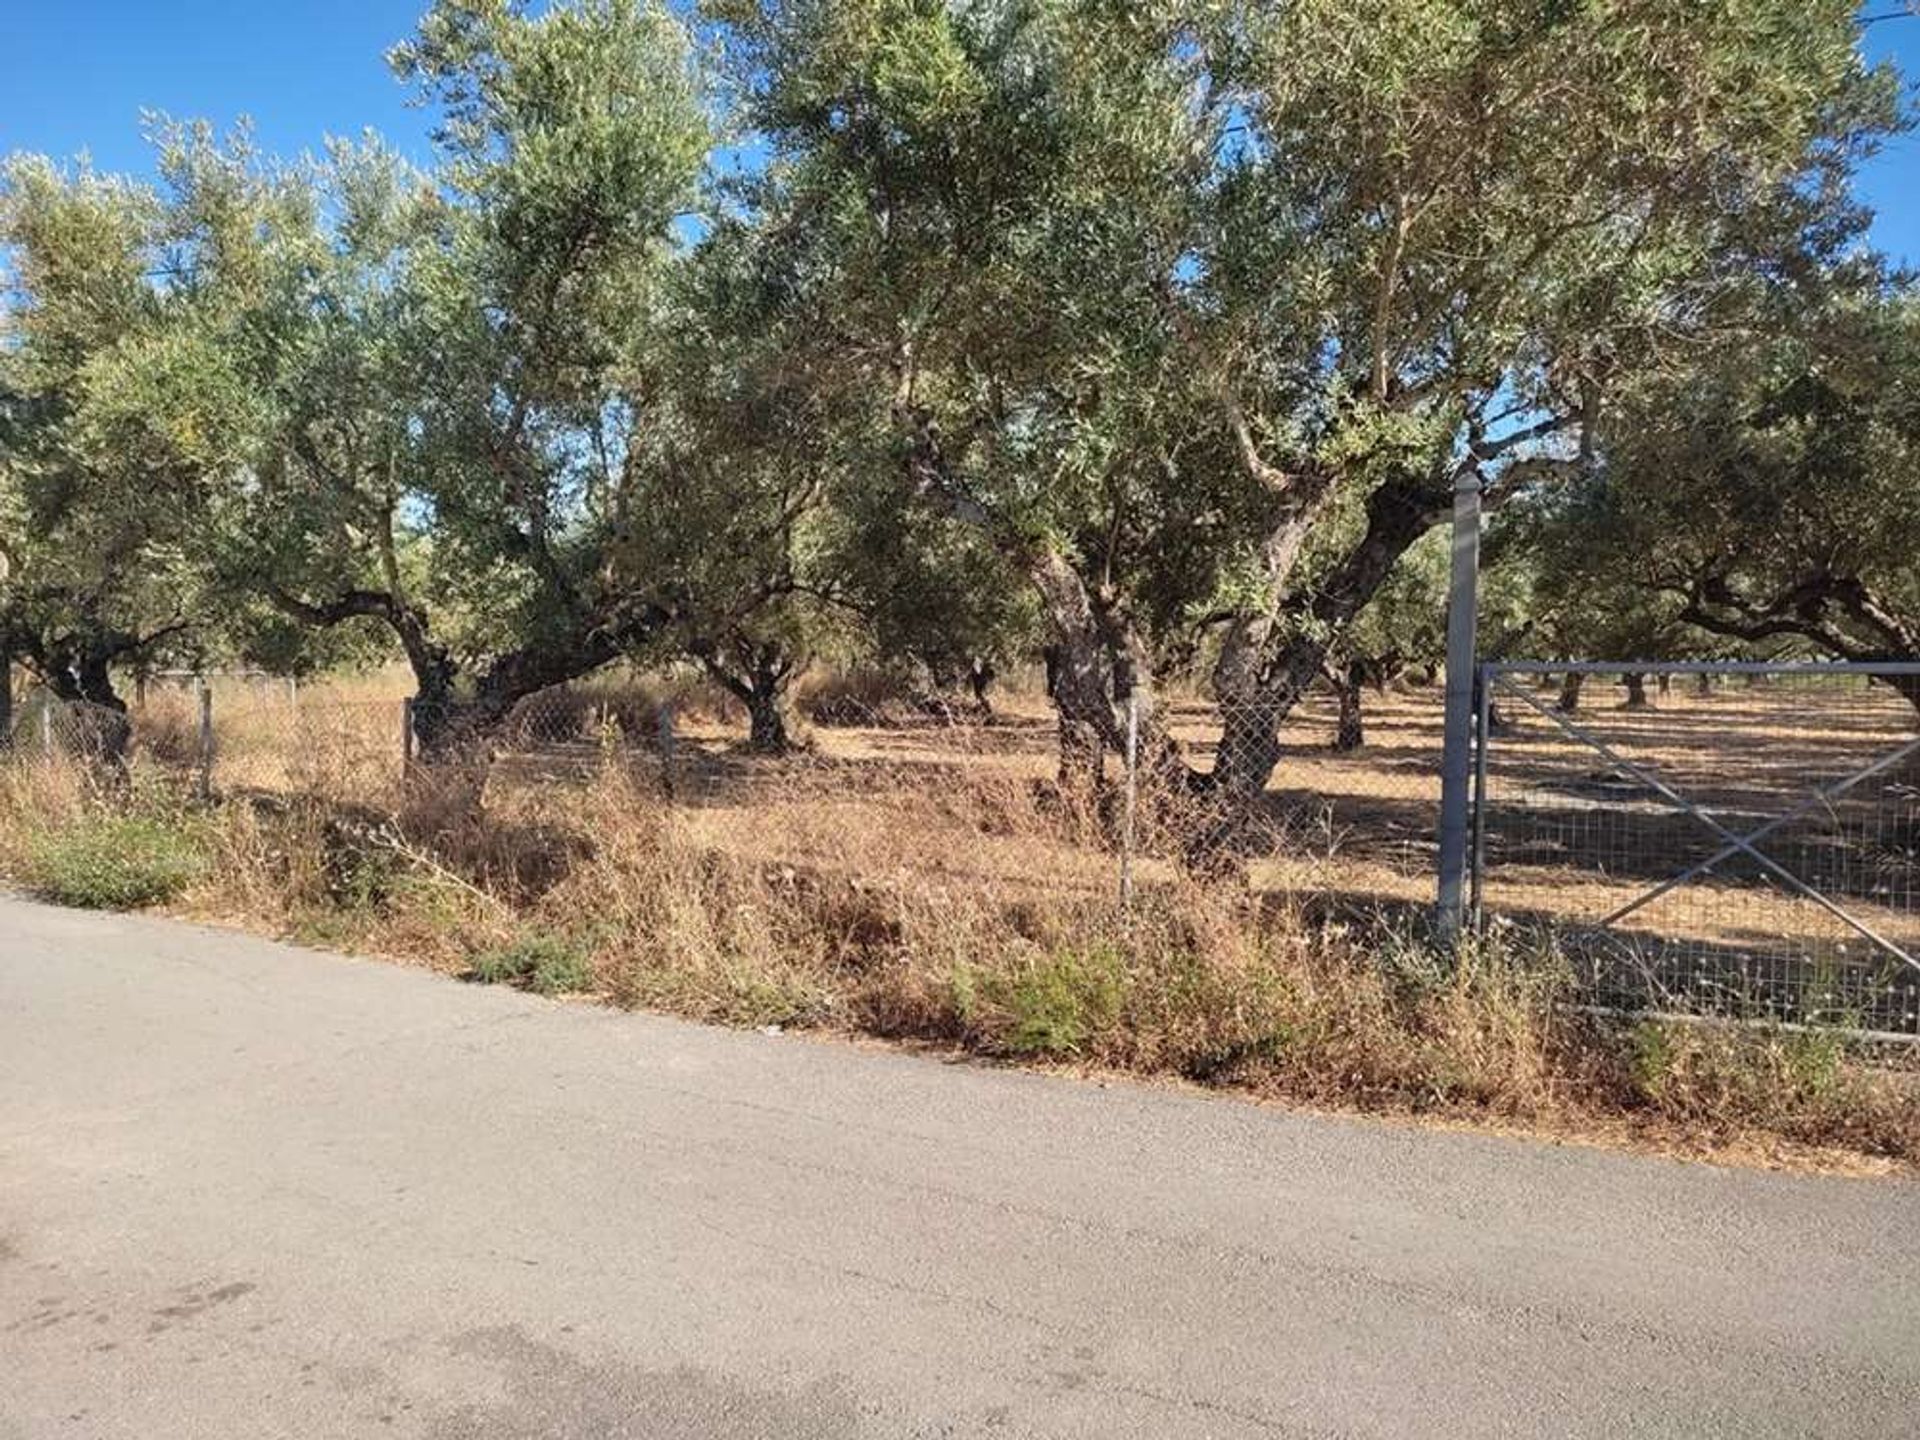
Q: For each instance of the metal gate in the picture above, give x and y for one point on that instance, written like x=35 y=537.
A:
x=1732 y=838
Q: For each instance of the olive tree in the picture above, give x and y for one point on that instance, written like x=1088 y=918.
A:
x=1766 y=496
x=455 y=428
x=1195 y=306
x=100 y=515
x=1455 y=230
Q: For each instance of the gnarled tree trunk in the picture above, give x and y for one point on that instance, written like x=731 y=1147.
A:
x=1081 y=670
x=78 y=669
x=452 y=718
x=1272 y=654
x=1350 y=730
x=980 y=678
x=766 y=723
x=452 y=712
x=1268 y=663
x=755 y=674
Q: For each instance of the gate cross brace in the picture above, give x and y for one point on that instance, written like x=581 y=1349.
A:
x=1812 y=802
x=1735 y=843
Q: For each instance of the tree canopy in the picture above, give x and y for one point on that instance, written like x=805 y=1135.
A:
x=1156 y=333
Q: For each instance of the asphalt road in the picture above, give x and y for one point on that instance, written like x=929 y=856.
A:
x=251 y=1191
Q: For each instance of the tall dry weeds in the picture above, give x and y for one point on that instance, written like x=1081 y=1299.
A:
x=971 y=910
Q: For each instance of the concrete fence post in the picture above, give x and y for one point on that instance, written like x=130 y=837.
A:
x=1456 y=766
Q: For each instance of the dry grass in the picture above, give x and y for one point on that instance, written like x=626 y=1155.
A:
x=867 y=888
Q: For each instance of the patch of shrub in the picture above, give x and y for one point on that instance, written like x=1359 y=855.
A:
x=544 y=963
x=1728 y=1074
x=859 y=695
x=1801 y=1084
x=113 y=862
x=1055 y=1004
x=361 y=874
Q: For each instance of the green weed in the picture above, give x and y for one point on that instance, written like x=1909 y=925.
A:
x=119 y=862
x=544 y=963
x=1055 y=1005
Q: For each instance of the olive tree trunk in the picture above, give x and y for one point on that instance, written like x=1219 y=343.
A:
x=980 y=678
x=1570 y=687
x=766 y=720
x=1268 y=663
x=1350 y=731
x=756 y=674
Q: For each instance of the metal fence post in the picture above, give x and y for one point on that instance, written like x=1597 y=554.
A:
x=1456 y=767
x=205 y=779
x=665 y=724
x=1130 y=802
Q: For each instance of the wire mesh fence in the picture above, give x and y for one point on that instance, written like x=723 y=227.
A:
x=210 y=739
x=1732 y=839
x=885 y=786
x=1740 y=841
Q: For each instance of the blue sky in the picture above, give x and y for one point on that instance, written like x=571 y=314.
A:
x=75 y=77
x=1891 y=183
